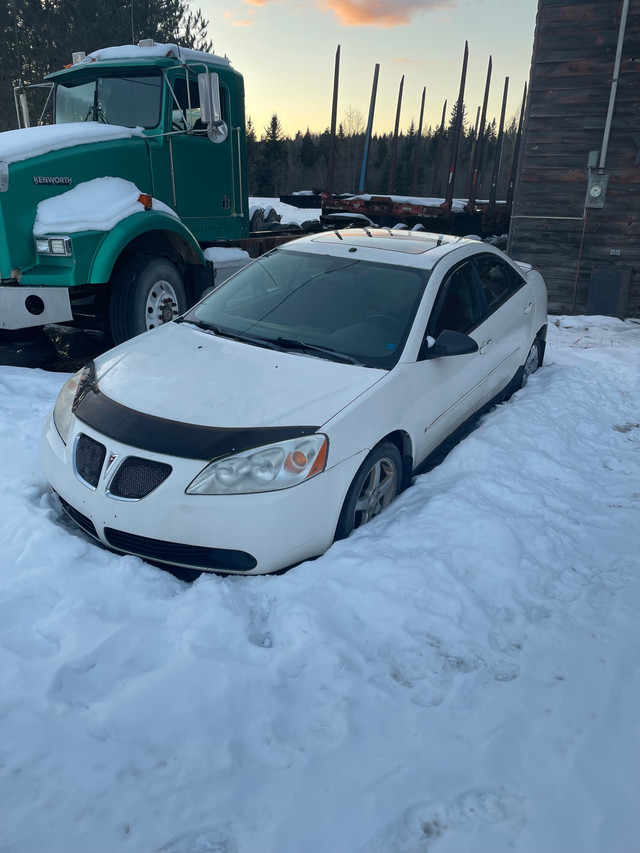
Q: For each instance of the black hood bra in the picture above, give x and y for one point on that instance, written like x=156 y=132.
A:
x=174 y=438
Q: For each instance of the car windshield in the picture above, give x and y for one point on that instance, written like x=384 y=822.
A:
x=131 y=100
x=337 y=308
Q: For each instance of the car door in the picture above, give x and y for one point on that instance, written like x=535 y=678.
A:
x=451 y=386
x=505 y=331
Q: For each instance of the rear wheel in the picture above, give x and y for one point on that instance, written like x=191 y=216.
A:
x=375 y=485
x=533 y=362
x=147 y=292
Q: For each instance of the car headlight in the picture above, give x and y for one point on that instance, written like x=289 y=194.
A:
x=71 y=394
x=264 y=469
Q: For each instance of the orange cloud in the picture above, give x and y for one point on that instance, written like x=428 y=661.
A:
x=380 y=13
x=373 y=13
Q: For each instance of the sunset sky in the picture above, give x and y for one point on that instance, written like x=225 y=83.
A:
x=286 y=51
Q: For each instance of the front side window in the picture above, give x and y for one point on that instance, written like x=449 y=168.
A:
x=345 y=309
x=131 y=100
x=186 y=114
x=499 y=281
x=457 y=305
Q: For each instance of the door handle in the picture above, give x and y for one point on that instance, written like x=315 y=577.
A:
x=528 y=308
x=485 y=346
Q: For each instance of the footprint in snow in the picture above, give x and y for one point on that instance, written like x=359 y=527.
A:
x=213 y=839
x=124 y=655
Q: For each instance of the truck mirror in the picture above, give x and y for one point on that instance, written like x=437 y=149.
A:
x=210 y=109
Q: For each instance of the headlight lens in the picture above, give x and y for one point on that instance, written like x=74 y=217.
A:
x=264 y=469
x=54 y=246
x=70 y=395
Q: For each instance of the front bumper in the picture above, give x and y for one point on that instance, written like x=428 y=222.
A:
x=247 y=534
x=23 y=307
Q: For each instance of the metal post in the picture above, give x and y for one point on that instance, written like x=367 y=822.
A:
x=516 y=153
x=456 y=134
x=477 y=158
x=438 y=158
x=334 y=114
x=367 y=138
x=496 y=161
x=416 y=155
x=394 y=144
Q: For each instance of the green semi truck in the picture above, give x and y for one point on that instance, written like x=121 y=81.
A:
x=107 y=212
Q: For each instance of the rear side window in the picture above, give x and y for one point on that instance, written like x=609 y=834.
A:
x=499 y=281
x=457 y=306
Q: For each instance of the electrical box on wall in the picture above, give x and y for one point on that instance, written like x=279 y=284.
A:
x=596 y=190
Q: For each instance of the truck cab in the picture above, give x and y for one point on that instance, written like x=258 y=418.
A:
x=107 y=211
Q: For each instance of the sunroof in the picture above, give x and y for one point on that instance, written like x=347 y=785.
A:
x=390 y=241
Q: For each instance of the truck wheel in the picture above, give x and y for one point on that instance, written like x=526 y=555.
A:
x=147 y=292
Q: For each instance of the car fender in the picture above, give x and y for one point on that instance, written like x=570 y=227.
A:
x=136 y=226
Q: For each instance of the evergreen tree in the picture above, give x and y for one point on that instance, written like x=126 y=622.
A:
x=39 y=36
x=308 y=153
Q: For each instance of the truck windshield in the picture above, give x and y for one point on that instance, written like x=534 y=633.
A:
x=131 y=101
x=320 y=305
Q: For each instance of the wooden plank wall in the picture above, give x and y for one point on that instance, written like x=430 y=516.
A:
x=571 y=75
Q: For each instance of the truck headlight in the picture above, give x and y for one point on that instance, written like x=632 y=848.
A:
x=71 y=394
x=60 y=246
x=264 y=469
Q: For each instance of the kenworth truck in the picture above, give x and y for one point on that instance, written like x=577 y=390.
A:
x=108 y=211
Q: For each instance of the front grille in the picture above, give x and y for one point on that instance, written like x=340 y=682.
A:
x=173 y=553
x=81 y=520
x=89 y=459
x=136 y=478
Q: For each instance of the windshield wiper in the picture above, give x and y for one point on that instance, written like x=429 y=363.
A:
x=313 y=349
x=221 y=332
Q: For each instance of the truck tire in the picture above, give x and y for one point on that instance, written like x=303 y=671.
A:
x=146 y=293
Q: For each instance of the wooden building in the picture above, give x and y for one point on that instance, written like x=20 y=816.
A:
x=576 y=214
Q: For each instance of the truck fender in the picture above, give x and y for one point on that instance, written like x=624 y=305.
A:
x=149 y=231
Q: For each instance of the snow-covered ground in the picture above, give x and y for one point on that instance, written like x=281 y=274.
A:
x=459 y=676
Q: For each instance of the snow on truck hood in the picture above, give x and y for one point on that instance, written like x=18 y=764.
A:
x=181 y=373
x=28 y=142
x=96 y=205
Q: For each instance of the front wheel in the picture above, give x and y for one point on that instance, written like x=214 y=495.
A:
x=375 y=485
x=147 y=292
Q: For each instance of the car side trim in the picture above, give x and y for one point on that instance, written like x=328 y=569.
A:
x=173 y=438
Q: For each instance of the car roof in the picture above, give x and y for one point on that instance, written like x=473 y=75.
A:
x=421 y=249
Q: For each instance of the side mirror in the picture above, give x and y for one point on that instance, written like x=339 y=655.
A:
x=210 y=109
x=449 y=343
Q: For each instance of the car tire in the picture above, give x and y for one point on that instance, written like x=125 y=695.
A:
x=533 y=362
x=376 y=484
x=147 y=292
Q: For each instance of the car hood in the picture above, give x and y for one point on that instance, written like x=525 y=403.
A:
x=181 y=373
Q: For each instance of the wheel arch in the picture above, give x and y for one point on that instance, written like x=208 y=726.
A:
x=402 y=441
x=147 y=233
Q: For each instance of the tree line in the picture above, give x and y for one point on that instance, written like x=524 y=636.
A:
x=279 y=165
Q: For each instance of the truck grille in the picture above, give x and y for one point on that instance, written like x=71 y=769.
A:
x=90 y=456
x=136 y=478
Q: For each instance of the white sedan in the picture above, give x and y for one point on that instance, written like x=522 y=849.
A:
x=294 y=402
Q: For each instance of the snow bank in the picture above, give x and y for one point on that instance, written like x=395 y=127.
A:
x=459 y=676
x=28 y=142
x=96 y=205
